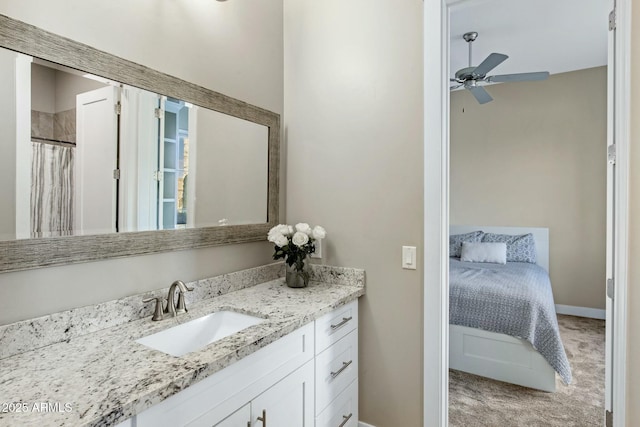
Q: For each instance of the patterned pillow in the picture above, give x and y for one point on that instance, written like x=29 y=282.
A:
x=455 y=241
x=520 y=248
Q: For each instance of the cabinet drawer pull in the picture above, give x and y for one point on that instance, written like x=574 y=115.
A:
x=345 y=365
x=344 y=322
x=346 y=419
x=263 y=418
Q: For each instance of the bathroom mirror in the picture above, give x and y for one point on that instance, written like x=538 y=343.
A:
x=111 y=159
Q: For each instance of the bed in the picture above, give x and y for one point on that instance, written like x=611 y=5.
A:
x=502 y=320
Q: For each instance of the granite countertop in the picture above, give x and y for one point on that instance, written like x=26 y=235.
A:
x=104 y=377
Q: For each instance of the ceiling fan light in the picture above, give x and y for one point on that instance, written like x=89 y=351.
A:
x=470 y=76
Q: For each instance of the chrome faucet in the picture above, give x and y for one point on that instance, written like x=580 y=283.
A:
x=172 y=308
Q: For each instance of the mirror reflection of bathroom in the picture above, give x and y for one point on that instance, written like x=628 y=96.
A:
x=82 y=128
x=105 y=157
x=70 y=109
x=94 y=156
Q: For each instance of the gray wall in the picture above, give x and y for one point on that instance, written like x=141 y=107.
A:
x=43 y=89
x=208 y=37
x=53 y=91
x=68 y=86
x=535 y=157
x=232 y=169
x=354 y=126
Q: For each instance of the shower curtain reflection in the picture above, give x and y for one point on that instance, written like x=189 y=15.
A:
x=52 y=189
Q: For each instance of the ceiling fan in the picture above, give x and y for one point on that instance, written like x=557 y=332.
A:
x=471 y=76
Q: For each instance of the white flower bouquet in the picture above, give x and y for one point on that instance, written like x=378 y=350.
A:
x=294 y=244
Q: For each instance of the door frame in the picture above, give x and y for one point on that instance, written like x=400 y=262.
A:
x=621 y=126
x=436 y=209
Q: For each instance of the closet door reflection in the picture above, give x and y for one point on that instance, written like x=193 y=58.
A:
x=155 y=148
x=176 y=148
x=96 y=160
x=140 y=123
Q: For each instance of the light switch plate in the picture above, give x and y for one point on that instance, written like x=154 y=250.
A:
x=409 y=257
x=318 y=252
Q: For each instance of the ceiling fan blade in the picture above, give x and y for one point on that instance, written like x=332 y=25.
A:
x=481 y=95
x=489 y=63
x=521 y=77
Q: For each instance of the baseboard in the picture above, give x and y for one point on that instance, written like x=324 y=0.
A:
x=361 y=424
x=572 y=310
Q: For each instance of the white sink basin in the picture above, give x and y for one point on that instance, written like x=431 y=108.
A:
x=198 y=333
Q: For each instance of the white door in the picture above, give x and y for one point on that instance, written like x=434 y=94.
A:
x=289 y=403
x=139 y=133
x=611 y=187
x=96 y=157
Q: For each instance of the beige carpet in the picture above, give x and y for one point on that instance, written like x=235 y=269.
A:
x=477 y=401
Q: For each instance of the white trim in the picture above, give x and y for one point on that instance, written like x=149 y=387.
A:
x=610 y=235
x=573 y=310
x=436 y=214
x=23 y=144
x=361 y=424
x=621 y=260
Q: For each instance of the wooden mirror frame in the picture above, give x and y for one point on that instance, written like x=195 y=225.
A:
x=51 y=251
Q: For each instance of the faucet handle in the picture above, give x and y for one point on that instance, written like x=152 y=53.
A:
x=182 y=308
x=158 y=311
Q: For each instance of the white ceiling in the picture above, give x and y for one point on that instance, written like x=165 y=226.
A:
x=537 y=35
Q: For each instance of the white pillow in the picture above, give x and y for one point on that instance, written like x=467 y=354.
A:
x=484 y=252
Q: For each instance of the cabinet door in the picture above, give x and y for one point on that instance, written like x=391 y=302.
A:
x=289 y=403
x=240 y=418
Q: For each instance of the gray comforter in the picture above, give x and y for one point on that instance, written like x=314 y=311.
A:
x=513 y=299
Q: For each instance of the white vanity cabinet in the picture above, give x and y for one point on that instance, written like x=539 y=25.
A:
x=305 y=379
x=336 y=362
x=283 y=366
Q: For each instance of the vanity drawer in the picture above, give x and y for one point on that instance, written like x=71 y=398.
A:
x=336 y=368
x=335 y=325
x=343 y=411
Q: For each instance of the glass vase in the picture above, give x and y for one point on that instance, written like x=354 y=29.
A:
x=297 y=278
